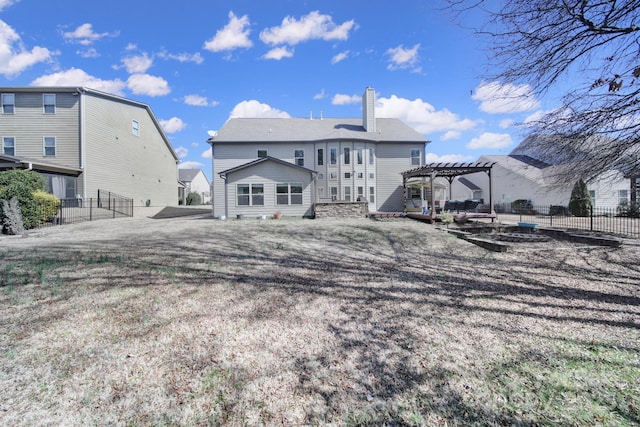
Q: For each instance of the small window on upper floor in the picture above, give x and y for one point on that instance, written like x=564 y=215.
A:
x=49 y=103
x=135 y=127
x=8 y=103
x=49 y=146
x=299 y=157
x=262 y=154
x=415 y=157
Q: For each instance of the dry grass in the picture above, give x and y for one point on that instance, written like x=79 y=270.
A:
x=300 y=322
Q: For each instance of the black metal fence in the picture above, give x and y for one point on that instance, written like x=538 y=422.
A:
x=623 y=220
x=71 y=211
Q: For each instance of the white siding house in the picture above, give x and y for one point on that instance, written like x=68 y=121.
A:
x=195 y=181
x=351 y=159
x=83 y=140
x=519 y=176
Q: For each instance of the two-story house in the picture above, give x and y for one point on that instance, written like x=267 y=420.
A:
x=195 y=181
x=82 y=140
x=264 y=165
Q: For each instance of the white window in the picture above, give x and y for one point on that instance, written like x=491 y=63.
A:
x=360 y=175
x=333 y=156
x=415 y=157
x=360 y=193
x=9 y=145
x=347 y=155
x=359 y=156
x=49 y=103
x=592 y=194
x=320 y=176
x=289 y=194
x=8 y=103
x=262 y=154
x=371 y=175
x=250 y=194
x=347 y=175
x=298 y=157
x=347 y=194
x=135 y=127
x=372 y=194
x=49 y=146
x=334 y=193
x=623 y=197
x=321 y=191
x=371 y=156
x=333 y=175
x=320 y=158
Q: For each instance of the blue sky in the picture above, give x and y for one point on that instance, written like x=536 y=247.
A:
x=199 y=63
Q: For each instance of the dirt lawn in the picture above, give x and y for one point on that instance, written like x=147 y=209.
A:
x=195 y=321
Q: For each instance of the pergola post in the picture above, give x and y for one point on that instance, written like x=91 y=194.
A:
x=432 y=202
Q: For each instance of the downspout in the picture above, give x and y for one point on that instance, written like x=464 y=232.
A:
x=83 y=143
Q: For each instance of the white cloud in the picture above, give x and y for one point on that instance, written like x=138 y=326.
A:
x=208 y=153
x=173 y=125
x=422 y=116
x=320 y=95
x=14 y=58
x=496 y=98
x=181 y=152
x=232 y=36
x=88 y=53
x=254 y=108
x=446 y=158
x=506 y=123
x=490 y=140
x=199 y=101
x=403 y=59
x=85 y=35
x=190 y=165
x=313 y=26
x=340 y=57
x=137 y=64
x=341 y=99
x=182 y=57
x=452 y=134
x=278 y=53
x=77 y=77
x=145 y=84
x=7 y=3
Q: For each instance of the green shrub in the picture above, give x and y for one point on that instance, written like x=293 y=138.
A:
x=522 y=206
x=193 y=199
x=629 y=210
x=31 y=179
x=580 y=203
x=26 y=187
x=49 y=206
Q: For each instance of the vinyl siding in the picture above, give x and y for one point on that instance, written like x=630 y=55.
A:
x=29 y=125
x=393 y=159
x=269 y=174
x=140 y=167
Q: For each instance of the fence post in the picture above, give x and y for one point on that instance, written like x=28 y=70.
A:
x=91 y=208
x=591 y=218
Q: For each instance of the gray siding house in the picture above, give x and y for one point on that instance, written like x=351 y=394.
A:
x=310 y=161
x=82 y=140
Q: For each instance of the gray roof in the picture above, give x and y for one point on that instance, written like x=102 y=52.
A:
x=187 y=175
x=262 y=160
x=310 y=130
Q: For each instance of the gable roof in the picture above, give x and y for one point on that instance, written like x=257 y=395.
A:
x=188 y=174
x=309 y=130
x=470 y=185
x=85 y=90
x=224 y=174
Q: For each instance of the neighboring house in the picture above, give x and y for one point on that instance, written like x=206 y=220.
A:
x=82 y=140
x=195 y=181
x=264 y=165
x=519 y=176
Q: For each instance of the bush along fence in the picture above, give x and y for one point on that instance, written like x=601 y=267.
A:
x=623 y=220
x=71 y=211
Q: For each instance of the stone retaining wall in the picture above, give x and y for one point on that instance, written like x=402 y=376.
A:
x=342 y=210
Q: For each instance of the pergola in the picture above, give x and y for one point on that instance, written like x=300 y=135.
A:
x=449 y=171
